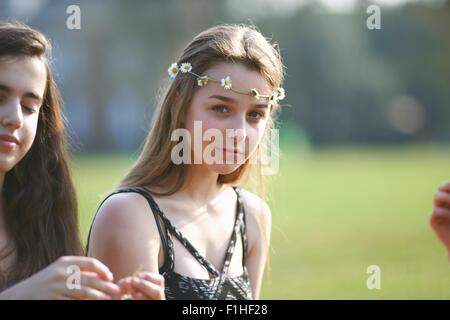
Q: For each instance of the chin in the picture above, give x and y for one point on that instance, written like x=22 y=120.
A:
x=224 y=169
x=4 y=167
x=7 y=163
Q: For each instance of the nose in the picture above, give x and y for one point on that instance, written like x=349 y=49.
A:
x=11 y=115
x=237 y=130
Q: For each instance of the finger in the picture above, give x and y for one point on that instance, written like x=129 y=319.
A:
x=109 y=288
x=152 y=277
x=125 y=285
x=445 y=186
x=442 y=199
x=149 y=289
x=138 y=296
x=87 y=293
x=89 y=264
x=439 y=215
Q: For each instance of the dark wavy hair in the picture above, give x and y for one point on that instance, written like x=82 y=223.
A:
x=40 y=207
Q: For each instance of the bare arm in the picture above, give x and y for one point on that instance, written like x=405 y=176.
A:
x=125 y=236
x=258 y=217
x=52 y=282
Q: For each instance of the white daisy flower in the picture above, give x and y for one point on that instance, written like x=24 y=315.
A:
x=280 y=93
x=255 y=93
x=173 y=70
x=186 y=67
x=202 y=81
x=226 y=83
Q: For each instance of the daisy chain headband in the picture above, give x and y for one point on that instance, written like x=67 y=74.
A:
x=226 y=83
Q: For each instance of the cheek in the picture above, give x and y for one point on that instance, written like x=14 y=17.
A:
x=255 y=135
x=203 y=118
x=212 y=123
x=28 y=132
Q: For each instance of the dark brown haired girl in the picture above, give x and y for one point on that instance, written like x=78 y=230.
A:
x=38 y=208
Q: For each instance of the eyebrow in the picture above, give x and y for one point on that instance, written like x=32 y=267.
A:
x=29 y=94
x=231 y=100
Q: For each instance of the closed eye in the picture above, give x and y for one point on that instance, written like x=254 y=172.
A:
x=28 y=109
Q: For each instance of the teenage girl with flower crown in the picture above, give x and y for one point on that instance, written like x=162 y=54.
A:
x=190 y=229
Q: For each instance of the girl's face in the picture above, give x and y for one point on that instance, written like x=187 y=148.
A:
x=22 y=86
x=240 y=119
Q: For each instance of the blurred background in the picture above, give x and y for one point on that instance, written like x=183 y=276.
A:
x=364 y=132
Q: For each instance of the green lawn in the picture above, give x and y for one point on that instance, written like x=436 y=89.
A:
x=335 y=212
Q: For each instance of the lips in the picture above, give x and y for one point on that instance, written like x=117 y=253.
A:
x=235 y=151
x=8 y=141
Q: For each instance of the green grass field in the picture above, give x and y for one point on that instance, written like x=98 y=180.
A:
x=335 y=212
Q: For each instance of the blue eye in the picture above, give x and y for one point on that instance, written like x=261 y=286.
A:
x=220 y=109
x=256 y=115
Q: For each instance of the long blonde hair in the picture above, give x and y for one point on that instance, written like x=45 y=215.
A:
x=224 y=43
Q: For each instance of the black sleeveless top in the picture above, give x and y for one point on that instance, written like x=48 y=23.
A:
x=177 y=286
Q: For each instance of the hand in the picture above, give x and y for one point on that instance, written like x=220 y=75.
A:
x=440 y=216
x=144 y=286
x=51 y=282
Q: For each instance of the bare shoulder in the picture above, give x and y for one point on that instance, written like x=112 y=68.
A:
x=124 y=234
x=255 y=207
x=258 y=218
x=123 y=212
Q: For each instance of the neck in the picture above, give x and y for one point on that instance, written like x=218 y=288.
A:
x=201 y=184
